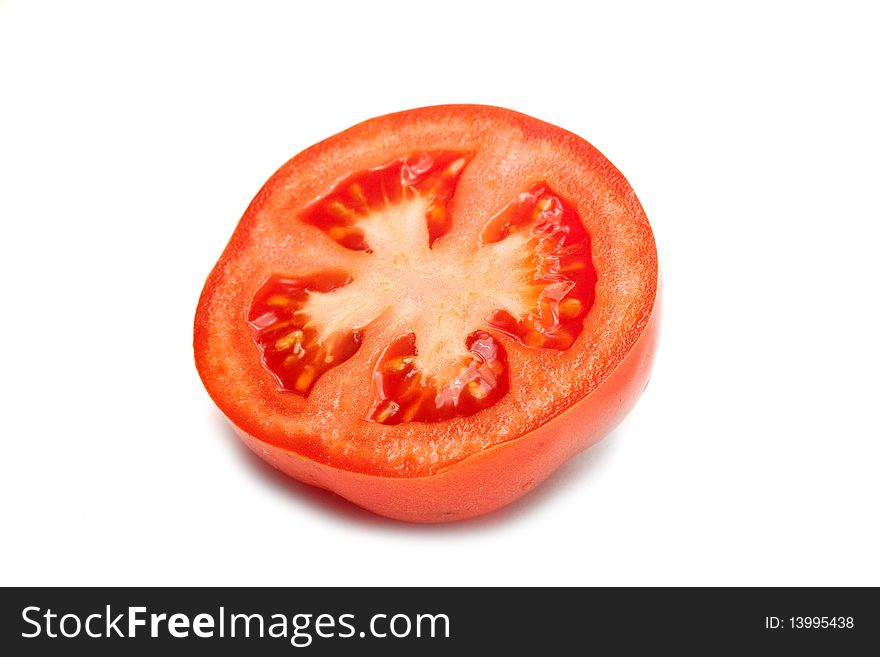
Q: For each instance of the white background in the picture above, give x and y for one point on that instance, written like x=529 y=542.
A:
x=133 y=136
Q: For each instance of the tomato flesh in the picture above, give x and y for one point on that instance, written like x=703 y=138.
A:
x=546 y=243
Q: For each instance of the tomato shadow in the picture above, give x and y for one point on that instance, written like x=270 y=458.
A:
x=337 y=507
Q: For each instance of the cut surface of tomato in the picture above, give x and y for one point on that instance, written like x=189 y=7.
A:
x=423 y=293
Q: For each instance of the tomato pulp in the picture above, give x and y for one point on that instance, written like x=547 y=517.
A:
x=431 y=311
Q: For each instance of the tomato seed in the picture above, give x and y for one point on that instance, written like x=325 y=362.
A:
x=289 y=340
x=570 y=308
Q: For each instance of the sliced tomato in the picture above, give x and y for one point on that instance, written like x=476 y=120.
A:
x=431 y=311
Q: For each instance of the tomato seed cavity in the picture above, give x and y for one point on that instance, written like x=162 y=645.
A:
x=403 y=393
x=432 y=176
x=291 y=349
x=563 y=279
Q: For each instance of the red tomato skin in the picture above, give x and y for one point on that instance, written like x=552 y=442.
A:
x=496 y=476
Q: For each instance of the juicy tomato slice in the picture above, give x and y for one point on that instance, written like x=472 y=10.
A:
x=429 y=312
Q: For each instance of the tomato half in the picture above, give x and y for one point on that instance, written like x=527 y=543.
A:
x=431 y=311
